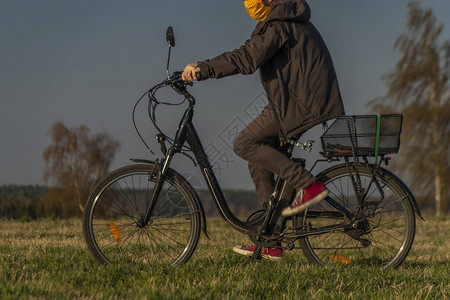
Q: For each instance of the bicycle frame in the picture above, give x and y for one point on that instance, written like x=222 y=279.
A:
x=186 y=133
x=283 y=192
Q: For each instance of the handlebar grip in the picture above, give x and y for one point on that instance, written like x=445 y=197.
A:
x=198 y=75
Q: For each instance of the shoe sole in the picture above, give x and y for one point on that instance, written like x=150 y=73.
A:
x=290 y=212
x=250 y=253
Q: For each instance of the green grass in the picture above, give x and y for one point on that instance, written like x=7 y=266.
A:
x=49 y=259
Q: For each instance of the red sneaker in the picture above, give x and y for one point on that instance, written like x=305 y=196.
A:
x=274 y=254
x=305 y=198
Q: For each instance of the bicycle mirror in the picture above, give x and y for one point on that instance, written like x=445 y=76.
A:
x=170 y=37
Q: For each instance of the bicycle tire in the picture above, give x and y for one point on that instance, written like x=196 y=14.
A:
x=386 y=236
x=115 y=206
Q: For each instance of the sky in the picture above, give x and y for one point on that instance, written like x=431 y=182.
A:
x=87 y=62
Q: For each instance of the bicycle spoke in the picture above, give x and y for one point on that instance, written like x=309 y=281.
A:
x=117 y=222
x=392 y=203
x=122 y=208
x=379 y=228
x=132 y=201
x=170 y=229
x=167 y=245
x=176 y=216
x=123 y=242
x=109 y=227
x=323 y=239
x=161 y=232
x=385 y=232
x=393 y=221
x=153 y=248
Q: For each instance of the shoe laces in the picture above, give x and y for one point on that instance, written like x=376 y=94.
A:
x=298 y=199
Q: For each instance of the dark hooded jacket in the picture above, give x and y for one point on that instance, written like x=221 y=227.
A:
x=295 y=67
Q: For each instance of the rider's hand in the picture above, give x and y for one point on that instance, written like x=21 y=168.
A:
x=189 y=73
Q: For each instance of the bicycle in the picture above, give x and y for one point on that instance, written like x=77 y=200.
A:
x=148 y=212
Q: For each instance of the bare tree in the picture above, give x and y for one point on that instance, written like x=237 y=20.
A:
x=419 y=87
x=75 y=161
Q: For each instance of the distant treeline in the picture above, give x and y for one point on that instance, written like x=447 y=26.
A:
x=21 y=201
x=32 y=202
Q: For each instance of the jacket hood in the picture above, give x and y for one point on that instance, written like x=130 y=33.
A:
x=289 y=10
x=285 y=10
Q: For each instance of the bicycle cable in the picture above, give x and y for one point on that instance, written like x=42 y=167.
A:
x=153 y=103
x=135 y=125
x=152 y=113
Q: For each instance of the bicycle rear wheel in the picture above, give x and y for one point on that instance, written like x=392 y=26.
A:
x=118 y=202
x=384 y=231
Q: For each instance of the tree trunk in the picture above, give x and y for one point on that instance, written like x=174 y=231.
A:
x=435 y=149
x=445 y=198
x=438 y=194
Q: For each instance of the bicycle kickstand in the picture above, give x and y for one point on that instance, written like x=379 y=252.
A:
x=256 y=254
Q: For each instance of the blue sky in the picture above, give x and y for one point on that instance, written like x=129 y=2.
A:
x=87 y=62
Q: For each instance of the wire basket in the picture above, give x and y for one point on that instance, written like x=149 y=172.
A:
x=364 y=135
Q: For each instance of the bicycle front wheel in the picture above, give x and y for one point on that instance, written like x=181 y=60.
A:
x=114 y=208
x=379 y=229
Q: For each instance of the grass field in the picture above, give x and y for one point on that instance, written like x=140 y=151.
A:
x=49 y=259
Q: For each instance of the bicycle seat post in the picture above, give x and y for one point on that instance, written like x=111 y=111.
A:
x=270 y=210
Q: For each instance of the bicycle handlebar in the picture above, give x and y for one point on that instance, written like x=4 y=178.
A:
x=179 y=86
x=176 y=77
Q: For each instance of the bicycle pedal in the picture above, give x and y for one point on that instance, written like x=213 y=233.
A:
x=290 y=246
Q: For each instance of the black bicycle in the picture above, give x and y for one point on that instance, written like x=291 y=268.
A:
x=147 y=212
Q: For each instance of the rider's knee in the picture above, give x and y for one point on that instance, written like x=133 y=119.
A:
x=240 y=145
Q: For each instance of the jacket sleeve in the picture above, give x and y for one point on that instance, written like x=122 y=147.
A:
x=248 y=58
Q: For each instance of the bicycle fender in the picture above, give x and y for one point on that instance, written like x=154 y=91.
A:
x=204 y=229
x=142 y=161
x=408 y=192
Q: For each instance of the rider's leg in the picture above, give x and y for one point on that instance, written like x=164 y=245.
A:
x=263 y=180
x=255 y=144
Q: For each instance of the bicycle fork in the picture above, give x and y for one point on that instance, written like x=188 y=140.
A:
x=161 y=171
x=164 y=165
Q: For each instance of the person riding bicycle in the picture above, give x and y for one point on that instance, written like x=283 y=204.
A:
x=299 y=79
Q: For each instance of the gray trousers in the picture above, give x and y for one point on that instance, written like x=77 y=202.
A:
x=256 y=144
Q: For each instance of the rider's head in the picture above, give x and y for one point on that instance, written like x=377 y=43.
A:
x=258 y=9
